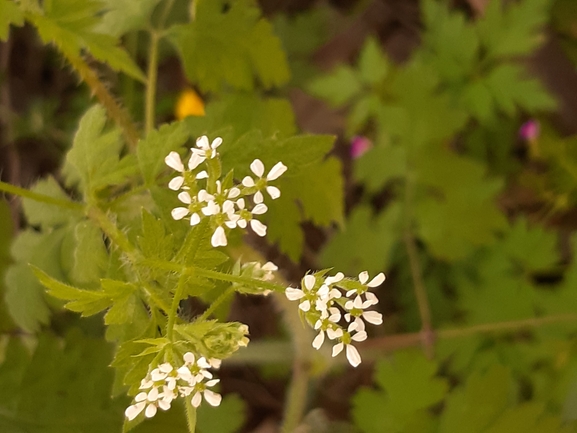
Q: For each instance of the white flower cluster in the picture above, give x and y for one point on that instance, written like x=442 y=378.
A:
x=224 y=204
x=320 y=299
x=166 y=383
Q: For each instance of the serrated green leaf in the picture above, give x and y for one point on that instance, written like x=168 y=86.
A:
x=532 y=247
x=513 y=30
x=152 y=150
x=123 y=16
x=372 y=64
x=63 y=387
x=528 y=418
x=70 y=25
x=230 y=44
x=10 y=14
x=407 y=386
x=228 y=417
x=338 y=87
x=47 y=215
x=380 y=165
x=284 y=227
x=367 y=240
x=483 y=399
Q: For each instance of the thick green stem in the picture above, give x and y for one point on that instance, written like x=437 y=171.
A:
x=22 y=192
x=215 y=275
x=173 y=313
x=150 y=102
x=190 y=414
x=114 y=233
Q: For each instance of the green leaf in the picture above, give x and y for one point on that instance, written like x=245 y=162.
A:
x=228 y=417
x=123 y=16
x=338 y=87
x=407 y=386
x=62 y=387
x=43 y=214
x=528 y=418
x=230 y=44
x=90 y=255
x=70 y=25
x=514 y=30
x=373 y=65
x=483 y=399
x=94 y=156
x=10 y=13
x=152 y=150
x=380 y=165
x=367 y=240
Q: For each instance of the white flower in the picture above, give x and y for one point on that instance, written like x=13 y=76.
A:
x=375 y=282
x=245 y=216
x=211 y=397
x=351 y=351
x=257 y=167
x=205 y=150
x=173 y=161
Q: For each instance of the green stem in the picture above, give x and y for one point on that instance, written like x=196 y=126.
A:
x=158 y=301
x=190 y=414
x=416 y=274
x=112 y=231
x=172 y=314
x=215 y=275
x=222 y=297
x=22 y=192
x=115 y=111
x=150 y=101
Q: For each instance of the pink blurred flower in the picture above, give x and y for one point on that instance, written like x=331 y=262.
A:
x=359 y=146
x=529 y=131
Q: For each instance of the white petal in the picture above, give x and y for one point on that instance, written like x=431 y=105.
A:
x=334 y=333
x=176 y=183
x=240 y=203
x=132 y=412
x=141 y=397
x=248 y=181
x=202 y=142
x=331 y=280
x=360 y=324
x=194 y=219
x=216 y=142
x=349 y=305
x=337 y=348
x=189 y=357
x=150 y=411
x=203 y=363
x=218 y=238
x=352 y=327
x=185 y=197
x=358 y=303
x=359 y=336
x=258 y=227
x=258 y=197
x=179 y=213
x=371 y=298
x=259 y=209
x=173 y=161
x=273 y=191
x=215 y=362
x=164 y=404
x=309 y=281
x=373 y=317
x=165 y=367
x=323 y=291
x=196 y=399
x=363 y=277
x=153 y=393
x=230 y=224
x=227 y=207
x=202 y=175
x=241 y=223
x=269 y=266
x=212 y=382
x=353 y=355
x=350 y=293
x=257 y=167
x=319 y=340
x=305 y=306
x=293 y=294
x=211 y=208
x=275 y=172
x=195 y=160
x=204 y=196
x=233 y=192
x=212 y=398
x=377 y=281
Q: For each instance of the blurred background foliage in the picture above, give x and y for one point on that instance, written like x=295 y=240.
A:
x=455 y=165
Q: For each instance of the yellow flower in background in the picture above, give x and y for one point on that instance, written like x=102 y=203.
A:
x=189 y=104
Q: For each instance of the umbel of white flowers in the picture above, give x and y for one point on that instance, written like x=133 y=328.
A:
x=165 y=383
x=225 y=205
x=324 y=307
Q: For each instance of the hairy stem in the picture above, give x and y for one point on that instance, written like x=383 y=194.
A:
x=222 y=297
x=190 y=414
x=173 y=313
x=22 y=192
x=416 y=274
x=115 y=110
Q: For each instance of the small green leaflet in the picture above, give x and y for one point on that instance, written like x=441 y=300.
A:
x=338 y=87
x=123 y=16
x=10 y=13
x=70 y=25
x=230 y=44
